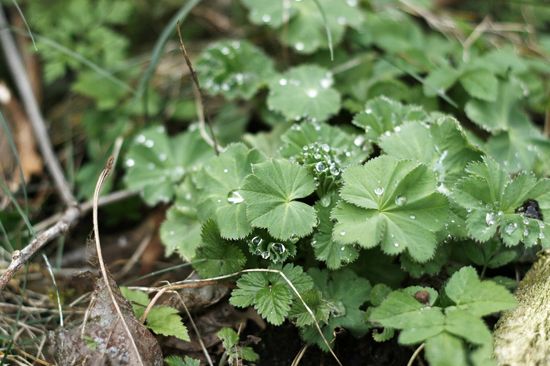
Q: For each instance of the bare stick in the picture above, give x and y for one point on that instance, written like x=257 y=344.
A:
x=198 y=90
x=415 y=354
x=63 y=223
x=15 y=64
x=99 y=184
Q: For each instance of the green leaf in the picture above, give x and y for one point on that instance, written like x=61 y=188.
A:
x=344 y=305
x=382 y=115
x=314 y=300
x=178 y=361
x=220 y=182
x=495 y=203
x=326 y=249
x=235 y=69
x=217 y=256
x=156 y=163
x=138 y=299
x=481 y=84
x=440 y=80
x=271 y=193
x=467 y=326
x=166 y=321
x=477 y=297
x=269 y=292
x=393 y=203
x=445 y=350
x=229 y=337
x=180 y=233
x=498 y=114
x=304 y=92
x=306 y=27
x=442 y=146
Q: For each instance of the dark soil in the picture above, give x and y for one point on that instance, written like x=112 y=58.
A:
x=280 y=345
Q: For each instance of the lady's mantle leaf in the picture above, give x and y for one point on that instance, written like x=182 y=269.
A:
x=477 y=297
x=344 y=293
x=235 y=69
x=271 y=193
x=180 y=233
x=517 y=208
x=304 y=92
x=306 y=29
x=382 y=115
x=391 y=202
x=334 y=253
x=156 y=163
x=165 y=320
x=217 y=256
x=270 y=293
x=220 y=182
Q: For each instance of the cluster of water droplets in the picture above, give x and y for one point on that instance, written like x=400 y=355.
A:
x=267 y=248
x=311 y=90
x=325 y=161
x=229 y=80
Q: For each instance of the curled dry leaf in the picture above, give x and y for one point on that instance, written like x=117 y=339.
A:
x=30 y=160
x=101 y=339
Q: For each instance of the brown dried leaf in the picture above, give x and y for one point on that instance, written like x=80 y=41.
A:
x=102 y=339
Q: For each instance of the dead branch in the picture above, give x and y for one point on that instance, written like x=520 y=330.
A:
x=63 y=223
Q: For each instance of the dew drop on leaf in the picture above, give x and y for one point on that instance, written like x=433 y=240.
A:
x=299 y=46
x=359 y=140
x=400 y=200
x=283 y=82
x=234 y=197
x=490 y=218
x=379 y=191
x=266 y=18
x=312 y=93
x=226 y=170
x=320 y=167
x=396 y=245
x=510 y=228
x=412 y=217
x=130 y=163
x=342 y=233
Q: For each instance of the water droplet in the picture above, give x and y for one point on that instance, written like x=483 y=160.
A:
x=299 y=46
x=379 y=191
x=510 y=228
x=312 y=93
x=541 y=235
x=234 y=197
x=140 y=139
x=171 y=233
x=278 y=247
x=359 y=140
x=525 y=232
x=283 y=82
x=396 y=245
x=342 y=20
x=266 y=18
x=325 y=148
x=226 y=171
x=334 y=170
x=326 y=82
x=368 y=110
x=225 y=51
x=130 y=163
x=352 y=3
x=162 y=157
x=400 y=200
x=265 y=255
x=397 y=129
x=320 y=167
x=412 y=217
x=490 y=218
x=342 y=233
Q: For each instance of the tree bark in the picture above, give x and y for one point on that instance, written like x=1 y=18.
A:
x=522 y=335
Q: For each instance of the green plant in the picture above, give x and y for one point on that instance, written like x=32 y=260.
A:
x=358 y=150
x=358 y=171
